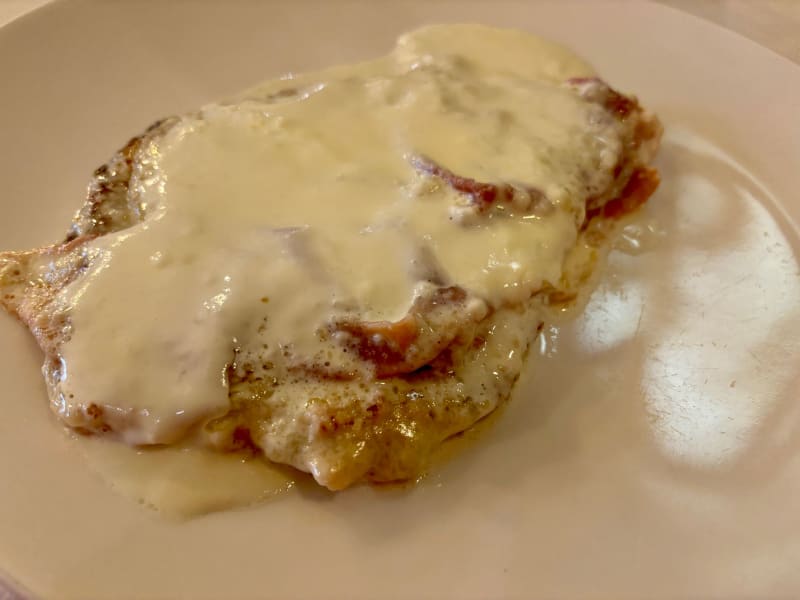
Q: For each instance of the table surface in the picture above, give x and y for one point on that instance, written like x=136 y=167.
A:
x=772 y=23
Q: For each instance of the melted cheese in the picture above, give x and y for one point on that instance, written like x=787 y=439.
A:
x=184 y=481
x=270 y=215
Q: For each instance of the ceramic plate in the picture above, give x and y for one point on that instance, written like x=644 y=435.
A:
x=651 y=450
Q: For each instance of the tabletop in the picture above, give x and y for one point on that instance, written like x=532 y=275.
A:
x=772 y=23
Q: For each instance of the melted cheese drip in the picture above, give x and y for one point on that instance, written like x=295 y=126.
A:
x=289 y=209
x=185 y=481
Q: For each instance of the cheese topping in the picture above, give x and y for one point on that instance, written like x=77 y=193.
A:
x=268 y=217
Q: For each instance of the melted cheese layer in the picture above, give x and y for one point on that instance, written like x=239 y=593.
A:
x=271 y=215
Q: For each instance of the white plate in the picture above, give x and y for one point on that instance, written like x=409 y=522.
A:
x=656 y=453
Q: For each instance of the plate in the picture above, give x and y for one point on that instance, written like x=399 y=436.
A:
x=654 y=451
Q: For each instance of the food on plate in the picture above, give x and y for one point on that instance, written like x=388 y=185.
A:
x=338 y=270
